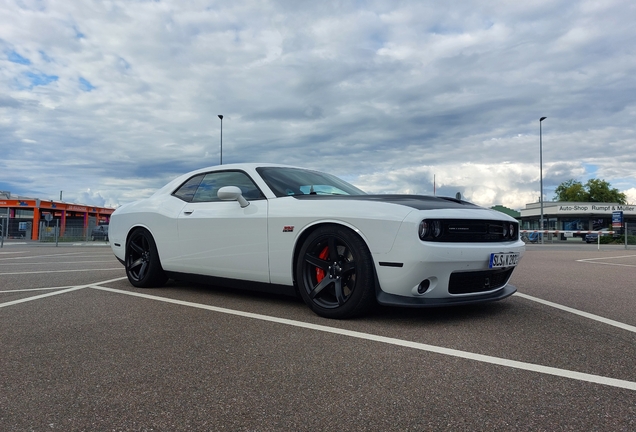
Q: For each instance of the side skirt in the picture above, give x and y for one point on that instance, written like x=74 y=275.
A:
x=287 y=290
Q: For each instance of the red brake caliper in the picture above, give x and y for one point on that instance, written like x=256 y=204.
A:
x=320 y=273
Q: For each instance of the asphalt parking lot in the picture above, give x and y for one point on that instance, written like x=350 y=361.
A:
x=80 y=349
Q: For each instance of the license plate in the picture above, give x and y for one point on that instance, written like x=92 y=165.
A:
x=503 y=260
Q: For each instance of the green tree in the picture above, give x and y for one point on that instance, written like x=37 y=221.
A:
x=571 y=191
x=594 y=190
x=602 y=191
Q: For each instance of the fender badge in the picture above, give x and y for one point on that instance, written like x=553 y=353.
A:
x=288 y=228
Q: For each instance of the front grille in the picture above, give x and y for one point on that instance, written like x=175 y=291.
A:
x=475 y=231
x=478 y=281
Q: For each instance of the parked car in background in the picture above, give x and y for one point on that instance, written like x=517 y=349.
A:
x=100 y=233
x=593 y=237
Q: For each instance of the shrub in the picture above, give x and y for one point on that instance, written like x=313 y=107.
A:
x=609 y=239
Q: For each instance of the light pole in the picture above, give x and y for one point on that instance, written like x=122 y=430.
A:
x=541 y=174
x=221 y=117
x=4 y=227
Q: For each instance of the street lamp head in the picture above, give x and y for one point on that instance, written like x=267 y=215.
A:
x=540 y=120
x=221 y=116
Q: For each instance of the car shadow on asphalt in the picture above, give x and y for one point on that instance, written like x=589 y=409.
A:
x=246 y=293
x=388 y=314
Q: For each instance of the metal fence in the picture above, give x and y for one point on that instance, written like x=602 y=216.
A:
x=53 y=232
x=49 y=231
x=16 y=228
x=73 y=231
x=627 y=237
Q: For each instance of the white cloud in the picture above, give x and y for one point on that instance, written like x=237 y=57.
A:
x=631 y=195
x=122 y=97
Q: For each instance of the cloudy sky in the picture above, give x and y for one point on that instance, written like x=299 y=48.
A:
x=109 y=100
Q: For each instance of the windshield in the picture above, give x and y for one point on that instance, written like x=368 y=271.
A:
x=296 y=181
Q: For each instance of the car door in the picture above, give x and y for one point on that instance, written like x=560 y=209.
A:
x=220 y=238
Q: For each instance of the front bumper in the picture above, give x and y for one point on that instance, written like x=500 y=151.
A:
x=387 y=299
x=422 y=273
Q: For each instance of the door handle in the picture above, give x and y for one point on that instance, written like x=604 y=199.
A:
x=188 y=212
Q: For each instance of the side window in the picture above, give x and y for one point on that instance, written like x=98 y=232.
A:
x=187 y=190
x=212 y=182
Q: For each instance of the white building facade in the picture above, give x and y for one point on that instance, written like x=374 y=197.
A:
x=576 y=216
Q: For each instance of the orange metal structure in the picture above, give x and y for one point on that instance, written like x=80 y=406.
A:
x=59 y=210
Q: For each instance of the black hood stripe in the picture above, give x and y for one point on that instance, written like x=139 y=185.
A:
x=419 y=202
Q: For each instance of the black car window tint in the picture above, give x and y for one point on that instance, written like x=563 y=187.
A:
x=295 y=181
x=247 y=186
x=209 y=187
x=187 y=190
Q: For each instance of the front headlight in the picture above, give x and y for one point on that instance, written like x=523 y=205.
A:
x=437 y=228
x=423 y=230
x=430 y=229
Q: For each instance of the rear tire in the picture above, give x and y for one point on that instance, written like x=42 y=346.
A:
x=143 y=267
x=335 y=273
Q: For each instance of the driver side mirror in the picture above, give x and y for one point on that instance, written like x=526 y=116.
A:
x=232 y=193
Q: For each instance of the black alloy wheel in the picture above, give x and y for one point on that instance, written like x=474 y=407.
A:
x=143 y=267
x=335 y=273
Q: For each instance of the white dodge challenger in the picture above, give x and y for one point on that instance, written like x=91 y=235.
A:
x=285 y=228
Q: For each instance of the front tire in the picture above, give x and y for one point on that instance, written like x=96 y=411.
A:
x=143 y=267
x=335 y=274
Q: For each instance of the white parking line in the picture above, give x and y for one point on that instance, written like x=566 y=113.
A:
x=578 y=312
x=28 y=299
x=596 y=379
x=596 y=261
x=62 y=290
x=36 y=289
x=56 y=263
x=62 y=271
x=40 y=256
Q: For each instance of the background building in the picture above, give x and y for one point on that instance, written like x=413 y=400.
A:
x=34 y=219
x=576 y=216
